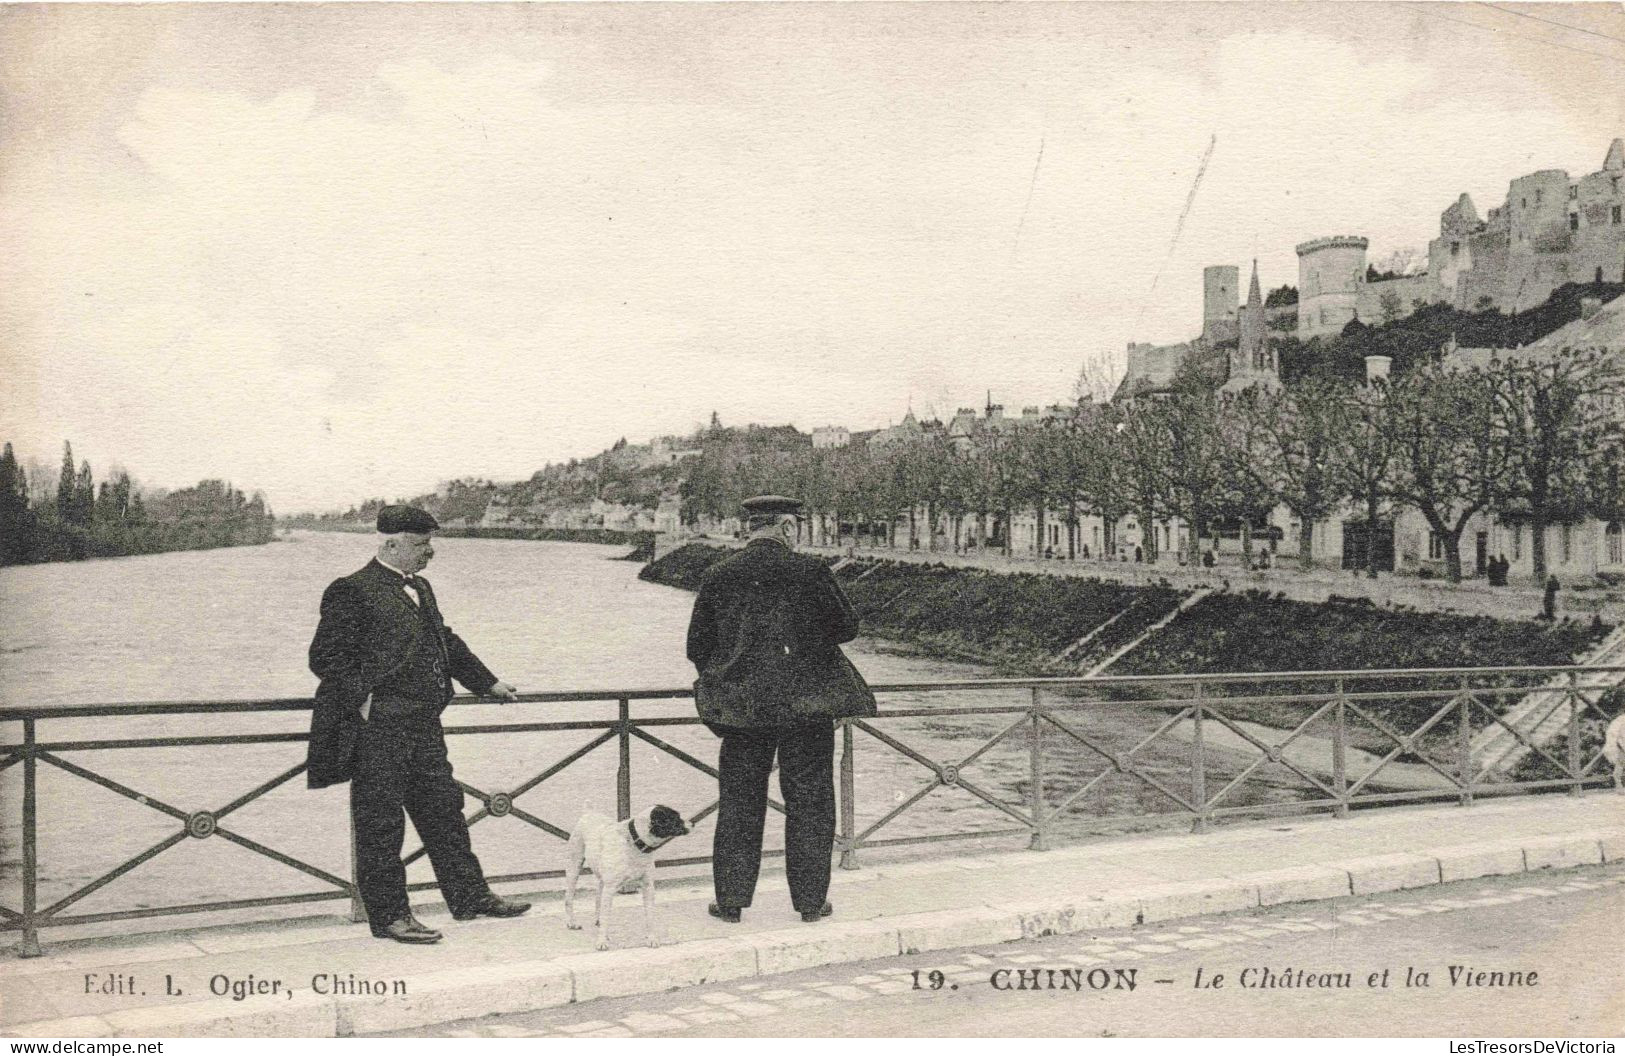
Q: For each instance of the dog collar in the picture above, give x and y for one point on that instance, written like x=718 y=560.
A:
x=638 y=841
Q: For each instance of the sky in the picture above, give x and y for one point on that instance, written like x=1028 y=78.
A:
x=329 y=252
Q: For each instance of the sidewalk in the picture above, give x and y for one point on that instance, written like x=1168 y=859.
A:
x=286 y=971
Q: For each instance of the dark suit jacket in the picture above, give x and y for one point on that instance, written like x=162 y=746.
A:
x=765 y=636
x=371 y=638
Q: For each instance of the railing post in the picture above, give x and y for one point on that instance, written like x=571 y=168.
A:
x=30 y=946
x=849 y=812
x=1198 y=770
x=1574 y=734
x=623 y=776
x=1040 y=840
x=1465 y=744
x=358 y=908
x=1340 y=773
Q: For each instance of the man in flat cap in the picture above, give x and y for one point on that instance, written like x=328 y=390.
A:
x=765 y=636
x=386 y=660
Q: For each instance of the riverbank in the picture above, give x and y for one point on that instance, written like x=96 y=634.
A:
x=79 y=547
x=1027 y=624
x=644 y=541
x=1577 y=598
x=1023 y=622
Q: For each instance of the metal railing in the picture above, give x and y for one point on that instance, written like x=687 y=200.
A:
x=1365 y=738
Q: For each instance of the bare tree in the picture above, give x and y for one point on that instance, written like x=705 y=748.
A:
x=1067 y=438
x=1452 y=455
x=1246 y=491
x=1141 y=447
x=41 y=482
x=1194 y=462
x=1554 y=414
x=1300 y=430
x=1370 y=458
x=1097 y=378
x=1104 y=485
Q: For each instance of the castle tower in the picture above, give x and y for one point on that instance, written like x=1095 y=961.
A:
x=1253 y=361
x=1250 y=341
x=1330 y=274
x=1221 y=290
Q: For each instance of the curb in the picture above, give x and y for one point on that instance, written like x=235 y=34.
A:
x=440 y=997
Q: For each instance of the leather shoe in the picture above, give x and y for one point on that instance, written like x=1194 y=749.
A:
x=818 y=914
x=492 y=905
x=730 y=914
x=407 y=929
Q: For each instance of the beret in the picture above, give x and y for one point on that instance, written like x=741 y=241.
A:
x=770 y=505
x=393 y=520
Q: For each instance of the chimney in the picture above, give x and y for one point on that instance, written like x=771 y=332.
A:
x=1589 y=306
x=1376 y=368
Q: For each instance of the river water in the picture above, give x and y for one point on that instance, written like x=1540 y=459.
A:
x=236 y=623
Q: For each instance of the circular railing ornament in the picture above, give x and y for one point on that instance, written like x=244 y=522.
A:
x=501 y=803
x=949 y=774
x=201 y=826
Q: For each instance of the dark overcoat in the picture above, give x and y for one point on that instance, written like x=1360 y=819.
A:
x=766 y=635
x=372 y=637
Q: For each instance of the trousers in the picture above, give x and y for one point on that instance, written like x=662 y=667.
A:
x=806 y=755
x=401 y=769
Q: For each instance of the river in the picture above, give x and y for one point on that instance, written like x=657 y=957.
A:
x=236 y=623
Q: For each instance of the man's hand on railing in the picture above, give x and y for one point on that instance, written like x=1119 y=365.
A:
x=502 y=691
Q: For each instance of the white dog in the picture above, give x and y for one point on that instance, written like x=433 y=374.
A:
x=621 y=855
x=1613 y=749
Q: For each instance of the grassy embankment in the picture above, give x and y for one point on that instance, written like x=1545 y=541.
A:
x=1022 y=623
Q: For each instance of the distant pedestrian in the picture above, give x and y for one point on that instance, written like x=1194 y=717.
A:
x=1208 y=559
x=1139 y=556
x=1549 y=603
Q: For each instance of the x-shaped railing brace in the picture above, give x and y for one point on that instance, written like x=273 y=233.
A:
x=1121 y=762
x=501 y=804
x=1402 y=743
x=947 y=775
x=198 y=825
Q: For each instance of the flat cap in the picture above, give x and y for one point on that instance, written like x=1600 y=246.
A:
x=392 y=520
x=770 y=505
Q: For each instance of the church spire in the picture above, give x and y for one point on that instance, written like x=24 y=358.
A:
x=1253 y=299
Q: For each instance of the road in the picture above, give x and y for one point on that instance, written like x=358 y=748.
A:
x=1555 y=939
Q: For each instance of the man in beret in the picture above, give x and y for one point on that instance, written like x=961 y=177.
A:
x=765 y=636
x=386 y=660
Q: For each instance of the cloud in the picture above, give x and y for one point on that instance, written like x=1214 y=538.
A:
x=476 y=265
